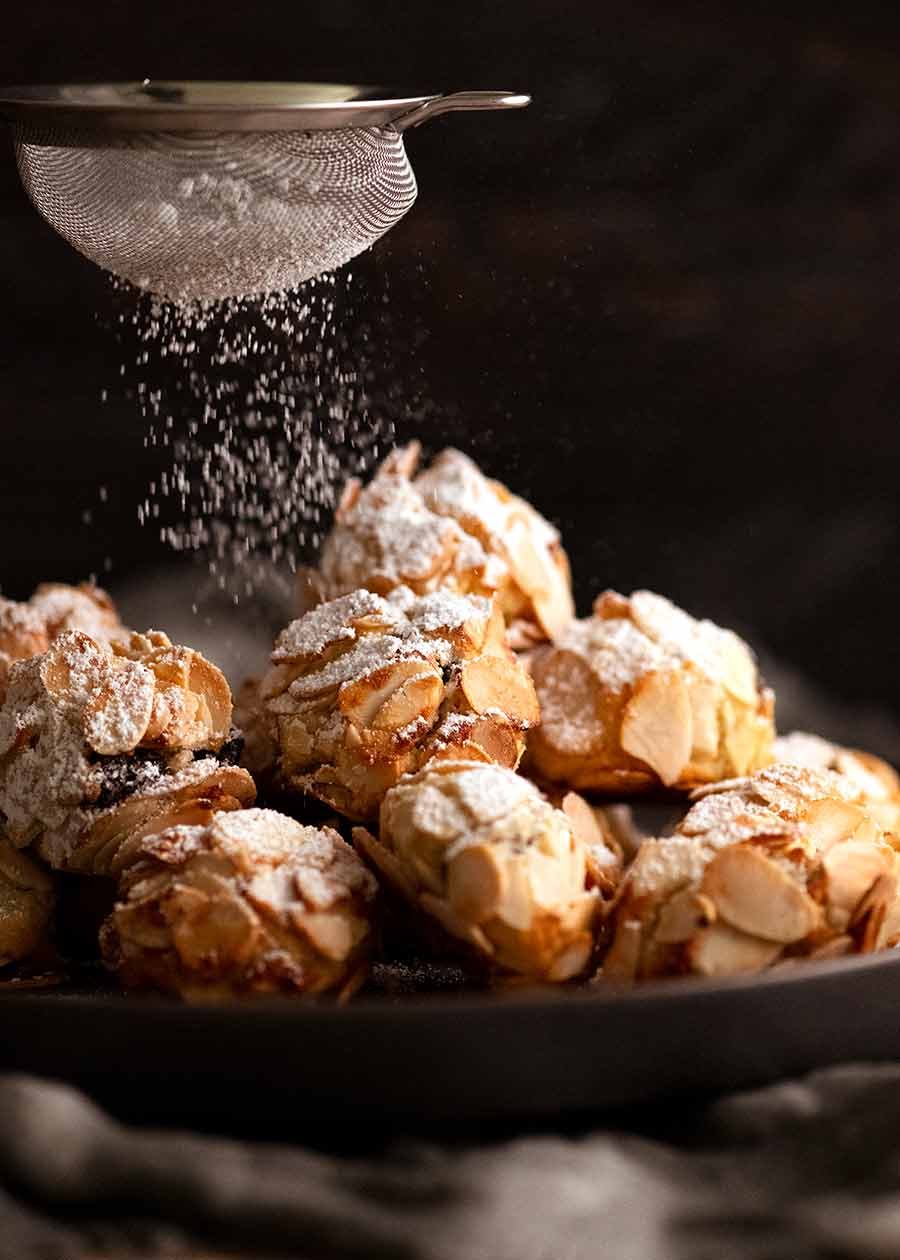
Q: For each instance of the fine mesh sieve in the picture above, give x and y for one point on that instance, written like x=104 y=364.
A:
x=214 y=190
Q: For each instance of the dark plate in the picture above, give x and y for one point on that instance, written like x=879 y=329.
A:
x=416 y=1062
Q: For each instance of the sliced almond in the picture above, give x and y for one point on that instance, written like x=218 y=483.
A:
x=611 y=606
x=741 y=737
x=828 y=822
x=362 y=699
x=721 y=950
x=476 y=883
x=704 y=696
x=542 y=575
x=402 y=461
x=74 y=663
x=851 y=868
x=683 y=916
x=657 y=726
x=570 y=726
x=739 y=673
x=417 y=698
x=332 y=934
x=209 y=683
x=499 y=742
x=585 y=824
x=516 y=906
x=872 y=911
x=117 y=717
x=554 y=606
x=224 y=930
x=753 y=894
x=493 y=683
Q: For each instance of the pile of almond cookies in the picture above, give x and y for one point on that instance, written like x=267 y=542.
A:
x=452 y=753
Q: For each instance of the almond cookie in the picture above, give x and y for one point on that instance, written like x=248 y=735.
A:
x=449 y=527
x=365 y=688
x=641 y=695
x=249 y=902
x=98 y=740
x=783 y=864
x=479 y=850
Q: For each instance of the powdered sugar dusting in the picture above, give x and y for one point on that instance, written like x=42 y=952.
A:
x=410 y=628
x=329 y=623
x=656 y=636
x=281 y=859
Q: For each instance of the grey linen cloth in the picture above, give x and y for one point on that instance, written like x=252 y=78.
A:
x=806 y=1168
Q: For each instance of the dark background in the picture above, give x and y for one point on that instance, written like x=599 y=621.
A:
x=663 y=301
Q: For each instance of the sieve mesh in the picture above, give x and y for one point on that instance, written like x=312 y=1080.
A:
x=212 y=215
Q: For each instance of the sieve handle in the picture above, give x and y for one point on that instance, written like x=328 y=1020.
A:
x=459 y=100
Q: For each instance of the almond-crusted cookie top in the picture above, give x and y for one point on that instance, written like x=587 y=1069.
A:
x=774 y=802
x=877 y=781
x=450 y=527
x=373 y=631
x=245 y=902
x=313 y=863
x=627 y=638
x=385 y=535
x=367 y=687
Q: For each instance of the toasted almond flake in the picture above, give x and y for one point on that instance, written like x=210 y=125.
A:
x=851 y=868
x=721 y=950
x=516 y=906
x=118 y=714
x=830 y=821
x=476 y=883
x=657 y=726
x=361 y=699
x=418 y=698
x=704 y=696
x=495 y=683
x=683 y=916
x=74 y=664
x=332 y=934
x=583 y=819
x=738 y=668
x=754 y=894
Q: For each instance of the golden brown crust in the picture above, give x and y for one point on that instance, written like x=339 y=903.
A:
x=516 y=883
x=784 y=864
x=246 y=903
x=641 y=696
x=449 y=528
x=365 y=689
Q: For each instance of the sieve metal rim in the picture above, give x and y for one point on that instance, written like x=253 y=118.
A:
x=196 y=105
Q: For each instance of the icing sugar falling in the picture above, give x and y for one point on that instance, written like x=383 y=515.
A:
x=263 y=407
